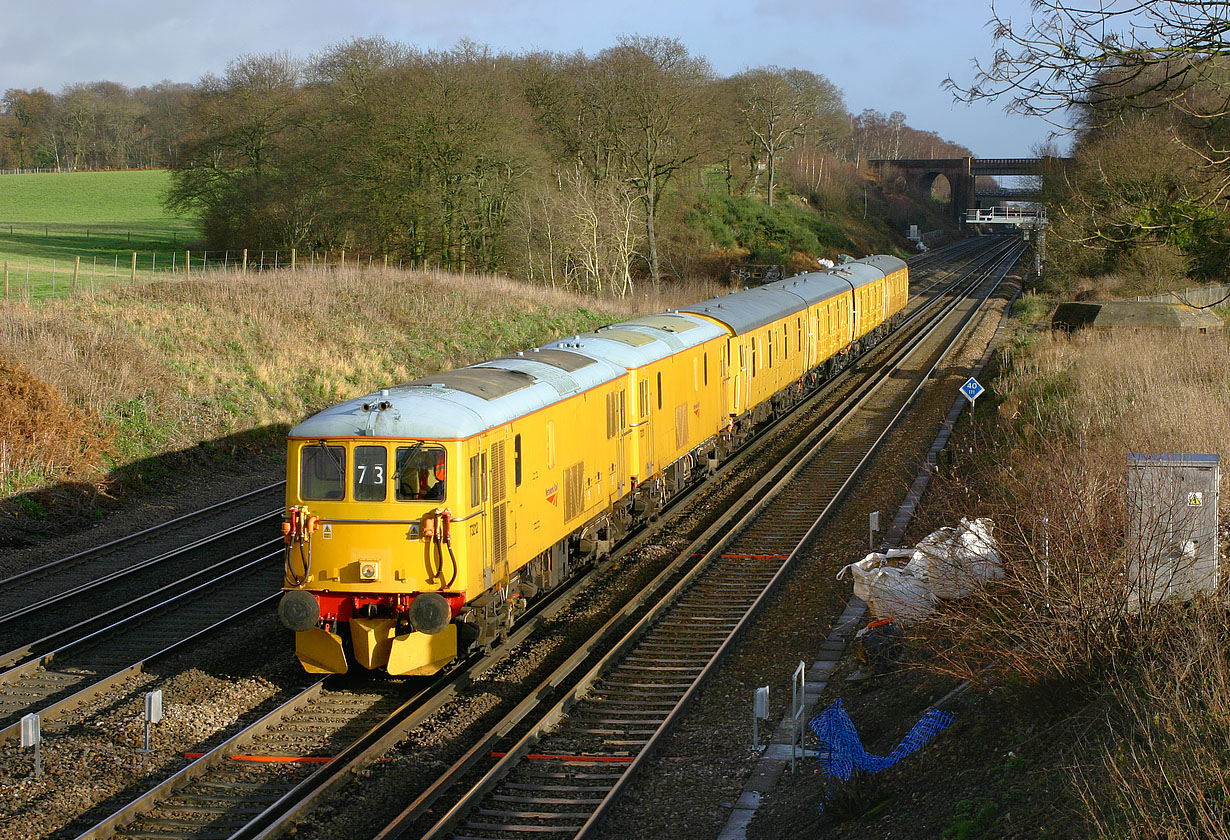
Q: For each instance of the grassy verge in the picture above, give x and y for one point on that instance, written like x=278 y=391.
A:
x=134 y=375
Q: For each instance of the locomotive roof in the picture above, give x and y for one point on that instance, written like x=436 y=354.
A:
x=458 y=404
x=751 y=309
x=636 y=343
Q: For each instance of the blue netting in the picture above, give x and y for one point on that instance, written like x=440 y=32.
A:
x=841 y=751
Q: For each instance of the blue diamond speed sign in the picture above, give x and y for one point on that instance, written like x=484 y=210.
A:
x=972 y=389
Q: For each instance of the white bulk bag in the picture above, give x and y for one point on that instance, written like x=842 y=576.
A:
x=897 y=594
x=980 y=550
x=861 y=572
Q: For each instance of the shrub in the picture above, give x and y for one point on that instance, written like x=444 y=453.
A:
x=42 y=437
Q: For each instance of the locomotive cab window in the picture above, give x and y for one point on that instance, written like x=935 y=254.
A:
x=322 y=472
x=421 y=471
x=369 y=473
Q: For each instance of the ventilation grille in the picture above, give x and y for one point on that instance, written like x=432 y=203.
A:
x=498 y=490
x=681 y=426
x=499 y=535
x=574 y=491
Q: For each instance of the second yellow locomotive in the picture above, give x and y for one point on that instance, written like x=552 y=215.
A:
x=422 y=518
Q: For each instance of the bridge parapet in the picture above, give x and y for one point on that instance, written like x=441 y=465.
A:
x=1034 y=217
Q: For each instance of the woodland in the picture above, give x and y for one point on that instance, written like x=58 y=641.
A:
x=589 y=172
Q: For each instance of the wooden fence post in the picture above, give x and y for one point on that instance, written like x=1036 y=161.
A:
x=187 y=264
x=245 y=260
x=294 y=256
x=76 y=271
x=133 y=279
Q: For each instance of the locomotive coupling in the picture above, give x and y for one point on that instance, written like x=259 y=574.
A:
x=298 y=524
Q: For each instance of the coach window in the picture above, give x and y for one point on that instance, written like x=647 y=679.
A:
x=770 y=339
x=706 y=369
x=322 y=472
x=659 y=390
x=517 y=460
x=754 y=342
x=369 y=473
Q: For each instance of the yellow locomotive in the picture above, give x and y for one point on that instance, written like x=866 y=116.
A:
x=421 y=519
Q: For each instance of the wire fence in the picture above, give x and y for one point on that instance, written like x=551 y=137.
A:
x=45 y=169
x=37 y=279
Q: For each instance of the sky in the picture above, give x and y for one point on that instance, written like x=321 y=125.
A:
x=889 y=55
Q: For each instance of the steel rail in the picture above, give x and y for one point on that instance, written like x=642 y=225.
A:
x=48 y=686
x=120 y=612
x=711 y=666
x=142 y=565
x=376 y=740
x=47 y=568
x=558 y=712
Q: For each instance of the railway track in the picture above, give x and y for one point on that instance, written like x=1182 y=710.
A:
x=342 y=730
x=86 y=665
x=94 y=586
x=251 y=798
x=42 y=608
x=571 y=766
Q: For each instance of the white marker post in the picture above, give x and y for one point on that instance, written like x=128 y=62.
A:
x=153 y=714
x=760 y=709
x=32 y=736
x=873 y=527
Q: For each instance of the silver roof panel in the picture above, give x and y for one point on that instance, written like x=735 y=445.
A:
x=634 y=344
x=751 y=309
x=858 y=273
x=813 y=287
x=885 y=262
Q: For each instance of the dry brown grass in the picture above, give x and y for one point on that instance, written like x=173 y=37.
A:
x=172 y=363
x=1066 y=623
x=1052 y=475
x=1162 y=768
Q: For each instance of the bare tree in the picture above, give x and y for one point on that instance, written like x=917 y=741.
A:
x=647 y=96
x=780 y=106
x=1110 y=55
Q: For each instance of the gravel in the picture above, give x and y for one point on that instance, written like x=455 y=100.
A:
x=92 y=765
x=703 y=764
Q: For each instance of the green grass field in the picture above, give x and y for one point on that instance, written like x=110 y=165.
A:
x=48 y=220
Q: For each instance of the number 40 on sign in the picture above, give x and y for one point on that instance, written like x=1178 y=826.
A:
x=972 y=389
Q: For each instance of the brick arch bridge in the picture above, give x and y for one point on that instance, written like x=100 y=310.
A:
x=961 y=174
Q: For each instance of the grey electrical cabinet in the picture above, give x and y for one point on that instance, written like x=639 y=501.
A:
x=1172 y=549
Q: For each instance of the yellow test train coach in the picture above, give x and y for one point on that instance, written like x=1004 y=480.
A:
x=421 y=519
